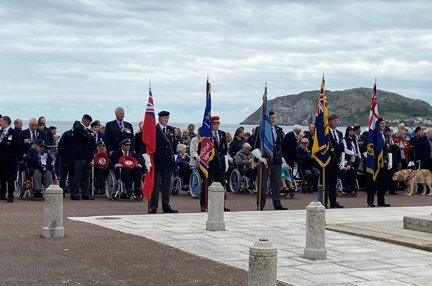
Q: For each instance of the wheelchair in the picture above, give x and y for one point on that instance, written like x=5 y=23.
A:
x=195 y=183
x=24 y=185
x=238 y=182
x=115 y=189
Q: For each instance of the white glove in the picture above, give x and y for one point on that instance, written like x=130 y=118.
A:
x=257 y=153
x=147 y=161
x=263 y=160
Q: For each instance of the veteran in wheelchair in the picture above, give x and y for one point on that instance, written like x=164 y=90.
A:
x=39 y=167
x=125 y=177
x=242 y=178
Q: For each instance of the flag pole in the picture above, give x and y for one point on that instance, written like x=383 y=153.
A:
x=260 y=187
x=206 y=192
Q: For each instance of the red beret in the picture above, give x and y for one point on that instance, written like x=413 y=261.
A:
x=215 y=119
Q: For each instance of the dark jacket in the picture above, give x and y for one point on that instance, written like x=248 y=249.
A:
x=166 y=148
x=66 y=147
x=34 y=162
x=25 y=139
x=422 y=152
x=289 y=147
x=277 y=144
x=336 y=148
x=221 y=149
x=117 y=154
x=138 y=142
x=235 y=146
x=83 y=143
x=114 y=135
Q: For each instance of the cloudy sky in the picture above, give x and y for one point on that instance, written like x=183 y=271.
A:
x=63 y=58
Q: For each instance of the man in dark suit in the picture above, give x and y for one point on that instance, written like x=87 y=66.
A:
x=95 y=129
x=138 y=143
x=128 y=175
x=9 y=156
x=29 y=136
x=117 y=130
x=217 y=166
x=273 y=169
x=83 y=154
x=290 y=144
x=164 y=163
x=380 y=185
x=332 y=169
x=45 y=131
x=422 y=149
x=66 y=154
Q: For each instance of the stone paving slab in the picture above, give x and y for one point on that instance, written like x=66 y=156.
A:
x=352 y=260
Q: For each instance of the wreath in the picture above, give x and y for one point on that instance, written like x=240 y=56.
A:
x=129 y=162
x=101 y=160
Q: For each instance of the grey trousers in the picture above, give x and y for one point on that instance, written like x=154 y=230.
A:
x=45 y=177
x=273 y=172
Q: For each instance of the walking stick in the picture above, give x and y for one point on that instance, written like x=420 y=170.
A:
x=93 y=181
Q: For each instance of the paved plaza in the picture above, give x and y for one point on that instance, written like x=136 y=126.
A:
x=352 y=260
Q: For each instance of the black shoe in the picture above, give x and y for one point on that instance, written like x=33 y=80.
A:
x=280 y=208
x=203 y=210
x=170 y=211
x=226 y=209
x=9 y=200
x=75 y=198
x=371 y=205
x=384 y=205
x=339 y=206
x=2 y=198
x=393 y=193
x=88 y=198
x=152 y=211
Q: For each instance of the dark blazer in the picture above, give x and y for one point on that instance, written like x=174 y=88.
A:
x=277 y=145
x=117 y=154
x=34 y=161
x=138 y=142
x=25 y=140
x=10 y=153
x=422 y=151
x=166 y=148
x=114 y=135
x=83 y=143
x=221 y=149
x=289 y=147
x=66 y=147
x=336 y=149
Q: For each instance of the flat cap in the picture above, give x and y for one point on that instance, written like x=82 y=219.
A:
x=163 y=113
x=95 y=123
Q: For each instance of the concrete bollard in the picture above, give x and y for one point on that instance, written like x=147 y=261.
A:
x=262 y=264
x=315 y=232
x=53 y=212
x=215 y=220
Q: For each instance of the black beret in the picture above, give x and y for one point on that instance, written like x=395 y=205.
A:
x=124 y=141
x=356 y=127
x=76 y=123
x=88 y=117
x=163 y=113
x=418 y=128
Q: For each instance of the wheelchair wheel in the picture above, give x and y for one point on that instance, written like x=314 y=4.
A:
x=195 y=185
x=110 y=184
x=339 y=187
x=244 y=184
x=234 y=181
x=176 y=185
x=21 y=185
x=291 y=193
x=284 y=193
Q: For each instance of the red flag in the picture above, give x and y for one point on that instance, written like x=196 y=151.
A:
x=149 y=139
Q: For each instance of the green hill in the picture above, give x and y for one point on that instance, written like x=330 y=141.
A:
x=351 y=106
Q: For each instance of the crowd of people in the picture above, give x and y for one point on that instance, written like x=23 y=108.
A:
x=91 y=148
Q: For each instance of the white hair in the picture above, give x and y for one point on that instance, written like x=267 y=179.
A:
x=297 y=128
x=181 y=147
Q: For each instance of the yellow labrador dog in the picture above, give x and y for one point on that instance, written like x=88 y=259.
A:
x=423 y=177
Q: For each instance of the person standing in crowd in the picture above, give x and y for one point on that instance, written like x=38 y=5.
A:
x=83 y=155
x=117 y=130
x=309 y=134
x=272 y=170
x=289 y=145
x=237 y=143
x=44 y=131
x=138 y=143
x=9 y=157
x=379 y=186
x=164 y=163
x=29 y=136
x=95 y=129
x=66 y=154
x=191 y=129
x=18 y=124
x=348 y=173
x=332 y=169
x=422 y=149
x=403 y=147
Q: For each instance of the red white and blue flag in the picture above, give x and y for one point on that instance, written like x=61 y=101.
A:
x=206 y=152
x=320 y=147
x=149 y=138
